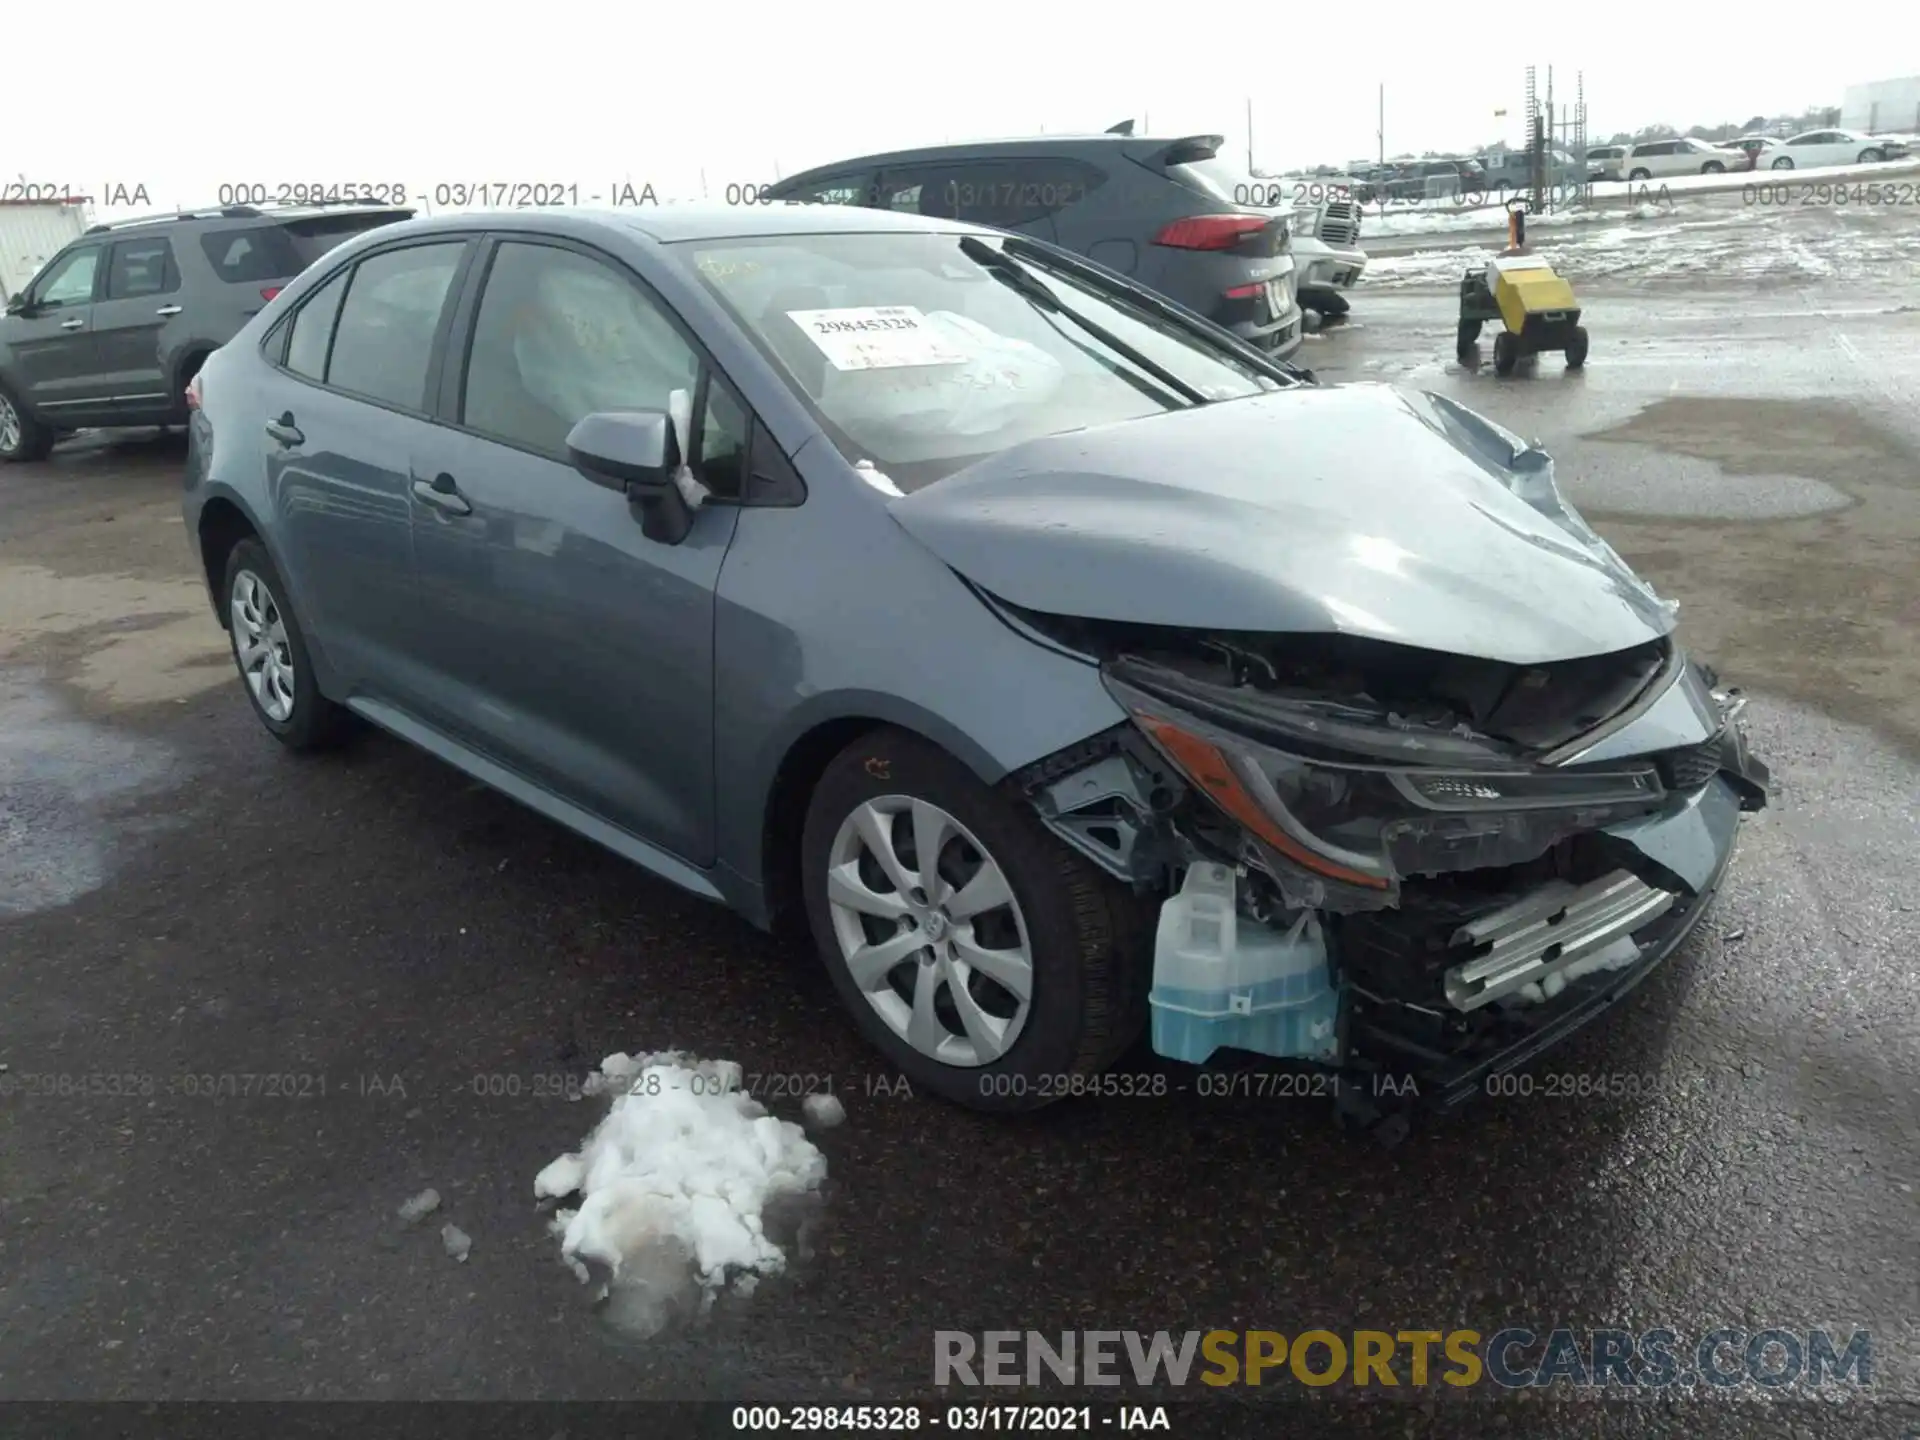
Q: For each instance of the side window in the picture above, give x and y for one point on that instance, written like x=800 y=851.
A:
x=250 y=256
x=721 y=461
x=69 y=280
x=1006 y=194
x=141 y=267
x=833 y=190
x=559 y=336
x=384 y=341
x=313 y=329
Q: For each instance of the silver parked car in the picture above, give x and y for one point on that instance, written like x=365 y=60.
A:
x=1060 y=661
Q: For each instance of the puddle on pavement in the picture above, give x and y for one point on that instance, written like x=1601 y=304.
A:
x=1771 y=438
x=1822 y=608
x=1604 y=481
x=121 y=639
x=63 y=783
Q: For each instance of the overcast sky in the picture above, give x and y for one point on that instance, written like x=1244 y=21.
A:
x=590 y=93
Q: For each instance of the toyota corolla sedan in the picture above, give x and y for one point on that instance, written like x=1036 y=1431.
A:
x=1069 y=669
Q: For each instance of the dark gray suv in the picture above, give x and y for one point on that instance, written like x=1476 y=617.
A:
x=115 y=325
x=1144 y=207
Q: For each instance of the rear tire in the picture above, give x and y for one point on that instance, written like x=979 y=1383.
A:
x=1785 y=162
x=1577 y=347
x=1085 y=939
x=271 y=654
x=1506 y=352
x=22 y=438
x=1640 y=175
x=1713 y=167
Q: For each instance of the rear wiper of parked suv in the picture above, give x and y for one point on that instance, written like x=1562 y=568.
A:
x=1020 y=278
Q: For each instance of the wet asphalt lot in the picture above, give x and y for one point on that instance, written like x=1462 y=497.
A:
x=180 y=898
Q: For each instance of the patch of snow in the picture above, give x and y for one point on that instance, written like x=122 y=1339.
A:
x=420 y=1206
x=823 y=1111
x=455 y=1241
x=674 y=1183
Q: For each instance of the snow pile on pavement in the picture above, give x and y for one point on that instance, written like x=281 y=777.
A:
x=674 y=1184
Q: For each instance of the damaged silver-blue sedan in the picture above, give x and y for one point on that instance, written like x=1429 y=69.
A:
x=1070 y=669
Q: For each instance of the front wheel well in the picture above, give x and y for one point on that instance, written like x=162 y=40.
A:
x=223 y=525
x=792 y=790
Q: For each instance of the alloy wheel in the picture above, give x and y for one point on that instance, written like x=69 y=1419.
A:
x=261 y=647
x=9 y=427
x=930 y=931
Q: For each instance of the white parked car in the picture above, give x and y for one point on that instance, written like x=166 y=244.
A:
x=1604 y=162
x=1327 y=257
x=1658 y=159
x=1834 y=147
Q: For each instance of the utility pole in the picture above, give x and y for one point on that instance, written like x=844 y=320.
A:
x=1381 y=133
x=1249 y=135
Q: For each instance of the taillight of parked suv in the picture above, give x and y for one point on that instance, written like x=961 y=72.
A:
x=1210 y=232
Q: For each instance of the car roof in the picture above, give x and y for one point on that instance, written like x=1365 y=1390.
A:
x=238 y=216
x=672 y=223
x=1009 y=144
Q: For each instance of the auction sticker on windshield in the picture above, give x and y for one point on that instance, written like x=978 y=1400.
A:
x=877 y=337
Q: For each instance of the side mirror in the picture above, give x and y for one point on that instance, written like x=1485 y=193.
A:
x=17 y=304
x=633 y=451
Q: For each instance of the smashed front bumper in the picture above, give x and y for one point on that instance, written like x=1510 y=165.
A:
x=1671 y=864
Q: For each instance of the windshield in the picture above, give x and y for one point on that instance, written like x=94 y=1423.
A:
x=920 y=360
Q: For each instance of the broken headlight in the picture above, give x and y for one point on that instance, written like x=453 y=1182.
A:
x=1325 y=789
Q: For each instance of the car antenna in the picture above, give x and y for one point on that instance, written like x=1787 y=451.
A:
x=1125 y=127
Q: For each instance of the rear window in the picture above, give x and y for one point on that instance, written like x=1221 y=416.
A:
x=257 y=253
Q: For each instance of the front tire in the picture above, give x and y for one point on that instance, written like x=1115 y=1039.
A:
x=271 y=654
x=1466 y=337
x=1785 y=162
x=994 y=969
x=1506 y=352
x=1577 y=347
x=1872 y=157
x=1640 y=175
x=22 y=438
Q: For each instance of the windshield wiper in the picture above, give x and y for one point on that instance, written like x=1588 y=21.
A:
x=1079 y=269
x=1020 y=278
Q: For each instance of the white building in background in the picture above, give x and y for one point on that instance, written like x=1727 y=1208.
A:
x=32 y=232
x=1883 y=106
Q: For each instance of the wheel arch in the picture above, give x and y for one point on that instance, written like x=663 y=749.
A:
x=224 y=521
x=810 y=744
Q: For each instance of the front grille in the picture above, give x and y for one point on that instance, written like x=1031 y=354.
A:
x=1690 y=767
x=1341 y=223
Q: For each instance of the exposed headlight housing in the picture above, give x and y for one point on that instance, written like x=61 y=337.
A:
x=1333 y=798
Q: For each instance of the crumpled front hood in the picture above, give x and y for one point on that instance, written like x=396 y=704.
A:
x=1363 y=509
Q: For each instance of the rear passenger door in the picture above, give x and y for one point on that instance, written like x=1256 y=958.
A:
x=142 y=296
x=360 y=356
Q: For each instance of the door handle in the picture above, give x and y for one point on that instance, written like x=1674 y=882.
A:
x=168 y=310
x=285 y=431
x=442 y=494
x=73 y=324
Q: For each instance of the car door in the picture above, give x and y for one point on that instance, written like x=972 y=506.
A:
x=140 y=296
x=50 y=338
x=338 y=441
x=561 y=641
